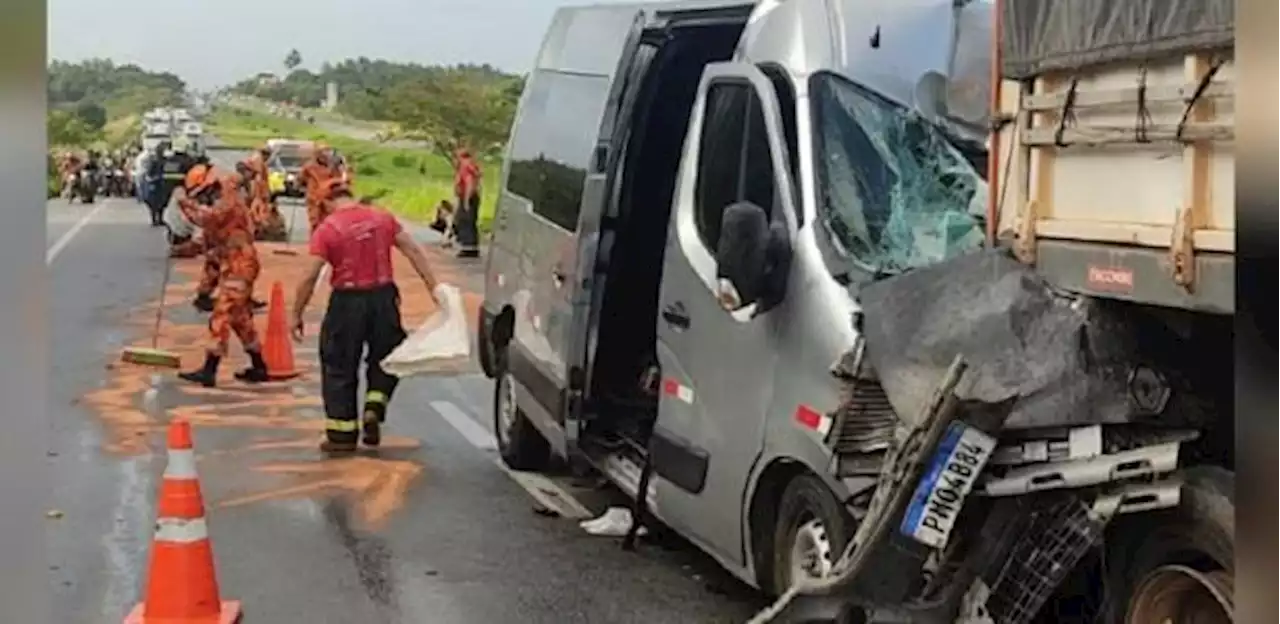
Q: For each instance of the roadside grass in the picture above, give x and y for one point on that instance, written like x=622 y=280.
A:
x=409 y=182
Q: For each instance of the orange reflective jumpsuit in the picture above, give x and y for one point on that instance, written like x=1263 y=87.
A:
x=259 y=189
x=315 y=173
x=228 y=219
x=189 y=248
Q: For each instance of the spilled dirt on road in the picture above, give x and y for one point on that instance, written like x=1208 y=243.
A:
x=285 y=417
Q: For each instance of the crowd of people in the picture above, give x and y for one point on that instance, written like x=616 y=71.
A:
x=96 y=165
x=220 y=214
x=352 y=237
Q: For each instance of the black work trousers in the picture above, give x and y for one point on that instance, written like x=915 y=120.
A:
x=356 y=321
x=158 y=197
x=466 y=222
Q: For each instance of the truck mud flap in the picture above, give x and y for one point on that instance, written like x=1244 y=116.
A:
x=679 y=461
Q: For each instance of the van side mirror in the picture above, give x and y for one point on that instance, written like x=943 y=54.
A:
x=753 y=259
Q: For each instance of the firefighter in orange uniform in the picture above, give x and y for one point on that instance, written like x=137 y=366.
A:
x=315 y=173
x=198 y=187
x=218 y=207
x=259 y=186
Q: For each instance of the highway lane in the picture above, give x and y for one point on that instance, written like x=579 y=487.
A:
x=430 y=528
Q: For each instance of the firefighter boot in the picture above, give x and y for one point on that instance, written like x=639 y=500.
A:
x=203 y=302
x=334 y=447
x=206 y=376
x=374 y=415
x=257 y=373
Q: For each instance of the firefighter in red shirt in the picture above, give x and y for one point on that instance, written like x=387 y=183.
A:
x=466 y=187
x=355 y=240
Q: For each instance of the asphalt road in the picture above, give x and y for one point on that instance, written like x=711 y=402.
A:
x=428 y=529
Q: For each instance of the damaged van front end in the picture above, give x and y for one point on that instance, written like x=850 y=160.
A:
x=1029 y=421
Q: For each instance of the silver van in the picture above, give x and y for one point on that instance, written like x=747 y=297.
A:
x=693 y=194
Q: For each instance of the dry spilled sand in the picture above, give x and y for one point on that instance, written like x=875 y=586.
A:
x=283 y=417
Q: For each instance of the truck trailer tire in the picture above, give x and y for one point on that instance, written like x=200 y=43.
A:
x=1179 y=564
x=520 y=444
x=811 y=529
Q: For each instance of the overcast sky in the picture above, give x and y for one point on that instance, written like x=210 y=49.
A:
x=218 y=42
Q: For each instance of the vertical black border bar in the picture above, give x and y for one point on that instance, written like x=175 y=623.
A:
x=24 y=474
x=1256 y=415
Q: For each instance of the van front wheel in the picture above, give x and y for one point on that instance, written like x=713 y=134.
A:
x=810 y=534
x=520 y=444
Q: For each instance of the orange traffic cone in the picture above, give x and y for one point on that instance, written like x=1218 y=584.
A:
x=182 y=586
x=277 y=349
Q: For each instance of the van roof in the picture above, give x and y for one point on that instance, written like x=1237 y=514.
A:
x=888 y=46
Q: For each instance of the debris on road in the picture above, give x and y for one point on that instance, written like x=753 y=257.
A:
x=615 y=522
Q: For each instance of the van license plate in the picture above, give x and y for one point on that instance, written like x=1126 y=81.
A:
x=962 y=454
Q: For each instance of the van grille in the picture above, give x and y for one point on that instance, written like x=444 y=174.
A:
x=865 y=419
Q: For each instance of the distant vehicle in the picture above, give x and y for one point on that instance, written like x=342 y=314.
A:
x=83 y=187
x=156 y=116
x=154 y=137
x=285 y=163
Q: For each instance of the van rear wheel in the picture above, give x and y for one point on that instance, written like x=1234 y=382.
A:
x=520 y=444
x=810 y=533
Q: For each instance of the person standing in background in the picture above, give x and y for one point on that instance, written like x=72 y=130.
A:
x=466 y=186
x=141 y=163
x=317 y=171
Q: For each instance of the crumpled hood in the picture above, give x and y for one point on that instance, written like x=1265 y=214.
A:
x=1051 y=358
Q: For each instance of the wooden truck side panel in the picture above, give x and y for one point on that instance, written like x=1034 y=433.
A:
x=1119 y=180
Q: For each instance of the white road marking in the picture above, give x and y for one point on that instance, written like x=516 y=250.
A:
x=65 y=239
x=467 y=426
x=542 y=489
x=549 y=493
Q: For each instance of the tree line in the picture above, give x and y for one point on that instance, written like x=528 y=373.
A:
x=447 y=105
x=84 y=97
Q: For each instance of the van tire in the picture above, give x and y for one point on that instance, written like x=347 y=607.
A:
x=1198 y=536
x=522 y=447
x=806 y=499
x=484 y=348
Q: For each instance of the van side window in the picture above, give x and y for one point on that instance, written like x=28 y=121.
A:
x=734 y=161
x=551 y=147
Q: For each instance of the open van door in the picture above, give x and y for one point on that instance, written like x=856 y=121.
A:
x=600 y=180
x=548 y=219
x=718 y=364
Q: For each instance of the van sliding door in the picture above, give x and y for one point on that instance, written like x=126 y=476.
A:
x=553 y=198
x=633 y=63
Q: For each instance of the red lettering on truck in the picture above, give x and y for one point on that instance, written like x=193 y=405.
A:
x=1111 y=278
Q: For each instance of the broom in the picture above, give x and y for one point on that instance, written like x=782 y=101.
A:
x=155 y=356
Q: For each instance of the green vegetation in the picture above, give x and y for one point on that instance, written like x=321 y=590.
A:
x=409 y=182
x=442 y=107
x=96 y=103
x=445 y=106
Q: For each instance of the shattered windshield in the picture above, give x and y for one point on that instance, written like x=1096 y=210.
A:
x=894 y=190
